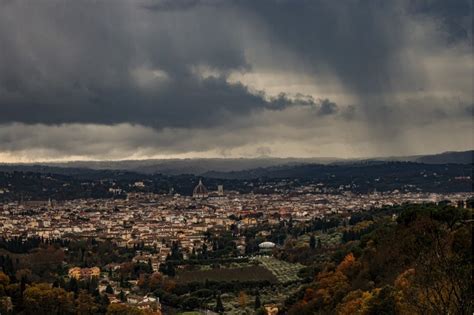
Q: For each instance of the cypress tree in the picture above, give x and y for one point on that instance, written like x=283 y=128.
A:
x=258 y=303
x=219 y=306
x=312 y=242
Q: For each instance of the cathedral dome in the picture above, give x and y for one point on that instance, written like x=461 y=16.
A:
x=200 y=190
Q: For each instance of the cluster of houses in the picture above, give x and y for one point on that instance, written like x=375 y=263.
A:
x=159 y=220
x=145 y=302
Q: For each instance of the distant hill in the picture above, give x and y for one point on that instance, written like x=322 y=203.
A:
x=213 y=166
x=170 y=166
x=465 y=157
x=43 y=182
x=372 y=169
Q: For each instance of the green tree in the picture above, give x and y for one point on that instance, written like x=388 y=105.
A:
x=150 y=266
x=312 y=242
x=122 y=296
x=190 y=303
x=219 y=306
x=258 y=303
x=73 y=285
x=109 y=289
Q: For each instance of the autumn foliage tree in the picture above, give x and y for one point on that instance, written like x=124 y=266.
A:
x=420 y=264
x=85 y=304
x=42 y=299
x=243 y=299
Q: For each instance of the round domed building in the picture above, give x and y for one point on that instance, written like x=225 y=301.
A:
x=200 y=191
x=266 y=247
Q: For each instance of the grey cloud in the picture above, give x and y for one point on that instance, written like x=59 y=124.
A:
x=65 y=62
x=321 y=107
x=294 y=131
x=454 y=17
x=134 y=62
x=72 y=62
x=469 y=110
x=327 y=107
x=362 y=42
x=172 y=5
x=377 y=50
x=357 y=40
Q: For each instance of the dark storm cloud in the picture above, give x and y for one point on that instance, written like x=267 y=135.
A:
x=74 y=62
x=168 y=64
x=357 y=40
x=361 y=41
x=454 y=17
x=204 y=103
x=90 y=62
x=171 y=5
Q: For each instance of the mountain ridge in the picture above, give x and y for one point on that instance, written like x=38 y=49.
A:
x=204 y=166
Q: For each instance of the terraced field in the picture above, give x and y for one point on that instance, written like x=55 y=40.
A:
x=283 y=271
x=250 y=273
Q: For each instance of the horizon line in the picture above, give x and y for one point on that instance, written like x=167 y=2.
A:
x=231 y=158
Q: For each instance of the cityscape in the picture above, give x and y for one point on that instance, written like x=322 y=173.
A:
x=236 y=157
x=211 y=250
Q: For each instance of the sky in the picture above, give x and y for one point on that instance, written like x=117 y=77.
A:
x=111 y=80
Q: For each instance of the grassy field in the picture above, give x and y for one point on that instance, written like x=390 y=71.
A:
x=250 y=273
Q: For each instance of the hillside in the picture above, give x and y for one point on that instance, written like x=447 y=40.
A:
x=214 y=166
x=465 y=157
x=416 y=264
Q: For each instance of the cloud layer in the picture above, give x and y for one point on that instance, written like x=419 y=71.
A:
x=210 y=78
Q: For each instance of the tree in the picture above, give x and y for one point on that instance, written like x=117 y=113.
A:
x=170 y=270
x=383 y=303
x=122 y=309
x=150 y=265
x=85 y=304
x=349 y=265
x=6 y=305
x=438 y=241
x=219 y=306
x=42 y=299
x=122 y=296
x=190 y=303
x=428 y=250
x=155 y=280
x=312 y=242
x=243 y=298
x=104 y=300
x=4 y=279
x=332 y=286
x=143 y=281
x=258 y=303
x=109 y=289
x=22 y=284
x=355 y=302
x=73 y=285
